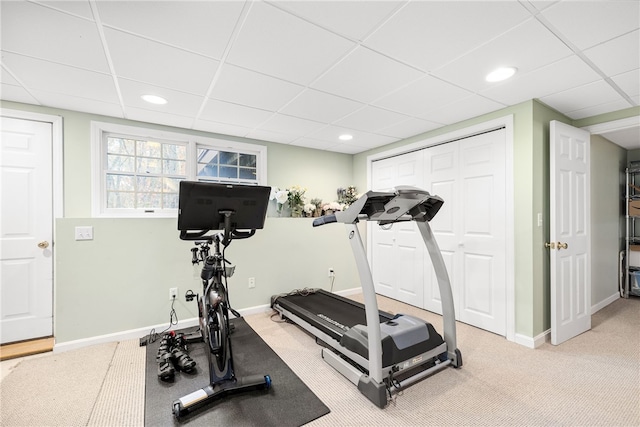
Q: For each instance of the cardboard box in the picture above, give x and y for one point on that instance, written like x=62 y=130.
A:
x=634 y=207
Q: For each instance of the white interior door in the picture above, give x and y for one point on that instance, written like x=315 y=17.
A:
x=470 y=228
x=569 y=232
x=397 y=270
x=441 y=179
x=482 y=244
x=26 y=230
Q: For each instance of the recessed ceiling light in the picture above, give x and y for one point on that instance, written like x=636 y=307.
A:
x=501 y=73
x=345 y=137
x=154 y=99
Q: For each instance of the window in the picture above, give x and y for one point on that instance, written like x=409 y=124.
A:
x=226 y=166
x=136 y=175
x=143 y=174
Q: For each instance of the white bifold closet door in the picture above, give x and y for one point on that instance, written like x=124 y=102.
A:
x=469 y=174
x=399 y=250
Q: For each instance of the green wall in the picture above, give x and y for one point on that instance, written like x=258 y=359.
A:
x=120 y=280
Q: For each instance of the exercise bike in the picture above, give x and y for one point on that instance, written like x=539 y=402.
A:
x=205 y=207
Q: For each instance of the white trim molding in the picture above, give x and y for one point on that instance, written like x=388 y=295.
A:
x=629 y=122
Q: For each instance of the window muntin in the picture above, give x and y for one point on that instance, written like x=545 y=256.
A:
x=226 y=166
x=143 y=173
x=137 y=171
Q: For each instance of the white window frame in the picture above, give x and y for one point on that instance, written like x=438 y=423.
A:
x=193 y=142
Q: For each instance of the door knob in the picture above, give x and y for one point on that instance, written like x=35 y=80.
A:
x=562 y=245
x=551 y=245
x=43 y=245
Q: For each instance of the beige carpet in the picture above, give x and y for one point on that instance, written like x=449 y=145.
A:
x=593 y=379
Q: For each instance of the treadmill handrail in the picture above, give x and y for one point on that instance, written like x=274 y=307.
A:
x=324 y=219
x=422 y=207
x=402 y=204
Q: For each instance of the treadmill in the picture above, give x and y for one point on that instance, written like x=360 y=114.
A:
x=377 y=351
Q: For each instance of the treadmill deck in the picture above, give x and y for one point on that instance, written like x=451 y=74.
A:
x=331 y=313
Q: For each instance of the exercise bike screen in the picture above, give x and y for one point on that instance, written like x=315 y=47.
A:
x=200 y=204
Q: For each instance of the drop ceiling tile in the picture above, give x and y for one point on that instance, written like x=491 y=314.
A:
x=179 y=103
x=365 y=76
x=527 y=47
x=41 y=32
x=619 y=104
x=353 y=19
x=159 y=117
x=320 y=106
x=561 y=75
x=347 y=149
x=542 y=4
x=266 y=135
x=629 y=82
x=204 y=27
x=220 y=128
x=421 y=96
x=246 y=87
x=463 y=109
x=618 y=55
x=233 y=114
x=276 y=43
x=291 y=125
x=313 y=143
x=63 y=79
x=371 y=119
x=363 y=139
x=409 y=128
x=628 y=138
x=16 y=94
x=77 y=103
x=581 y=97
x=147 y=61
x=429 y=34
x=5 y=76
x=74 y=7
x=588 y=23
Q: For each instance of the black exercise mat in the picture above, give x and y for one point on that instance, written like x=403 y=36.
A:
x=289 y=402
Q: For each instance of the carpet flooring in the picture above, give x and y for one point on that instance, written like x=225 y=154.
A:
x=590 y=380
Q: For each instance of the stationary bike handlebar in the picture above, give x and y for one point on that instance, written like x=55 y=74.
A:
x=230 y=232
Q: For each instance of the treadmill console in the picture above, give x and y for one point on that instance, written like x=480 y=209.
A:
x=404 y=204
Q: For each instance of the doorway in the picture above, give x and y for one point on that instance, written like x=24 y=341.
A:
x=472 y=171
x=31 y=181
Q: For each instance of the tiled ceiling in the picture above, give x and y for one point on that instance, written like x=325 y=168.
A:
x=305 y=72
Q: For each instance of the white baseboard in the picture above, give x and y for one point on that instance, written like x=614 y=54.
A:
x=532 y=342
x=540 y=339
x=141 y=332
x=605 y=302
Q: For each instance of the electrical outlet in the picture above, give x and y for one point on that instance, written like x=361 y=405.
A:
x=252 y=282
x=173 y=293
x=332 y=272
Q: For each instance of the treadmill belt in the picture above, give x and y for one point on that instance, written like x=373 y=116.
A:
x=328 y=312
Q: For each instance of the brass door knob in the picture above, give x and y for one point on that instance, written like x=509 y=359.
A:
x=551 y=245
x=43 y=245
x=562 y=245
